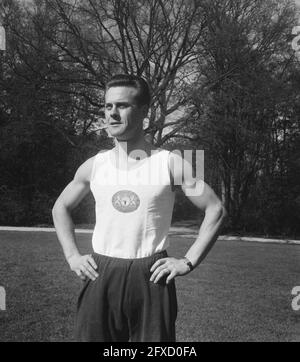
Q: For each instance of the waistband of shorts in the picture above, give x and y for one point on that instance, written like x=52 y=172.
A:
x=162 y=254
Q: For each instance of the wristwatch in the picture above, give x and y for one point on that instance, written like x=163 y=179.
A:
x=188 y=263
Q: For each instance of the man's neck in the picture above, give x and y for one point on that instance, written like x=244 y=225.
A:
x=124 y=148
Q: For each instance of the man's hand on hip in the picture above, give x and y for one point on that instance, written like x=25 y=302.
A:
x=168 y=266
x=84 y=266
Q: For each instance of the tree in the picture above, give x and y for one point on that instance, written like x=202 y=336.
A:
x=245 y=62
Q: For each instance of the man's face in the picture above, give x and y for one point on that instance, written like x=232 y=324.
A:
x=123 y=115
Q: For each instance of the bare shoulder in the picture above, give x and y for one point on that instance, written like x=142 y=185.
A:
x=176 y=163
x=182 y=171
x=83 y=173
x=176 y=157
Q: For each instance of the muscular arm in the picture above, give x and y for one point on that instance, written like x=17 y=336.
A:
x=71 y=196
x=205 y=199
x=215 y=214
x=202 y=196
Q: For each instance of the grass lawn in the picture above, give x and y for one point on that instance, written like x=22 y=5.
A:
x=241 y=292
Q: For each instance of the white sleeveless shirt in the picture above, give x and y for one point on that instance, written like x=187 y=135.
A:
x=133 y=207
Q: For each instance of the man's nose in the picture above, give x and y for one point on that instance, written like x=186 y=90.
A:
x=114 y=112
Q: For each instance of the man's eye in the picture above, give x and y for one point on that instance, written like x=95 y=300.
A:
x=108 y=107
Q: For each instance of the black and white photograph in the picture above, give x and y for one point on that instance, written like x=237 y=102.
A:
x=150 y=173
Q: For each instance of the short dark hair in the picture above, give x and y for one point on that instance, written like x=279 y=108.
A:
x=129 y=80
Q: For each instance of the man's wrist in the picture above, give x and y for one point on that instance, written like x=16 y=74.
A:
x=70 y=256
x=188 y=263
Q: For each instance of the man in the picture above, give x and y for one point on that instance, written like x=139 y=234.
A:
x=129 y=289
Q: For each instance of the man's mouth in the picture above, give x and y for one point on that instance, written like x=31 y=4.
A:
x=115 y=123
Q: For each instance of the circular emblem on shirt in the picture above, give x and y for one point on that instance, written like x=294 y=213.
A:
x=125 y=201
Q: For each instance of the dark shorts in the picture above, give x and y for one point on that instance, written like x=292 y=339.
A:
x=123 y=305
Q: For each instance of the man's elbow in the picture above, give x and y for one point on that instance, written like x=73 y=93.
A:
x=56 y=209
x=219 y=211
x=222 y=211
